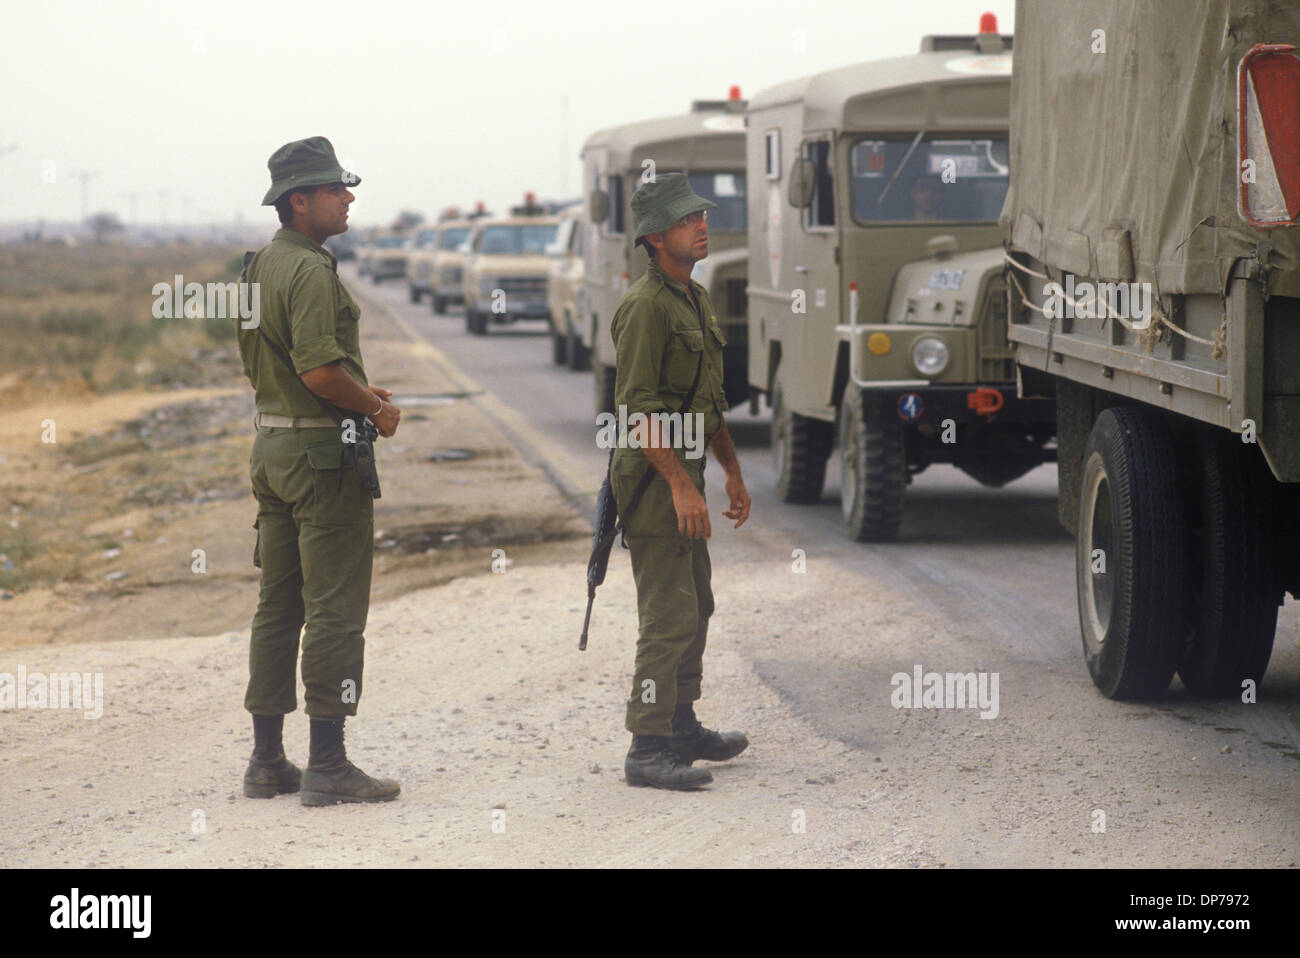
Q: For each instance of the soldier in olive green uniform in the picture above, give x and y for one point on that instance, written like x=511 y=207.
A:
x=315 y=523
x=665 y=329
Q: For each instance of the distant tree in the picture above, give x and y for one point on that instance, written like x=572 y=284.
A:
x=408 y=220
x=104 y=225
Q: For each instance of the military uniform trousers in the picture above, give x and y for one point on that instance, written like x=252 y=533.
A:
x=674 y=597
x=315 y=541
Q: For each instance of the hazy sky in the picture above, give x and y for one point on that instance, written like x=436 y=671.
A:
x=431 y=103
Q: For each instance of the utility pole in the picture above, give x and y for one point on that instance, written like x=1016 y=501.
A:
x=84 y=176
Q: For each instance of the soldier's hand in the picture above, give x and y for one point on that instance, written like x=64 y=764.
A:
x=387 y=418
x=739 y=497
x=384 y=394
x=692 y=513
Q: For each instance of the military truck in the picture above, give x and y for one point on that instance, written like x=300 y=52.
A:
x=876 y=298
x=708 y=145
x=564 y=282
x=449 y=261
x=419 y=263
x=506 y=267
x=1154 y=291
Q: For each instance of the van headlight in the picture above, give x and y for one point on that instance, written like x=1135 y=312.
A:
x=929 y=356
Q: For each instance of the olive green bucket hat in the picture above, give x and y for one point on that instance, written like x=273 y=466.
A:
x=659 y=204
x=304 y=163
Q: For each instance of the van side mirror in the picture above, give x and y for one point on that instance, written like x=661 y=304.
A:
x=598 y=205
x=802 y=174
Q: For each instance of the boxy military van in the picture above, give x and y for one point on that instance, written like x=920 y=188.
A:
x=449 y=264
x=419 y=263
x=876 y=297
x=564 y=283
x=506 y=267
x=708 y=145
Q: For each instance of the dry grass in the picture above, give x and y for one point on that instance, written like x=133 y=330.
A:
x=80 y=320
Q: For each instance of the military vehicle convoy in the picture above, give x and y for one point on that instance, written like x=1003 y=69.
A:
x=564 y=281
x=708 y=145
x=506 y=267
x=1154 y=291
x=876 y=296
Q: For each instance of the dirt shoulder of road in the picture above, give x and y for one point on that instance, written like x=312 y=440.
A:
x=136 y=520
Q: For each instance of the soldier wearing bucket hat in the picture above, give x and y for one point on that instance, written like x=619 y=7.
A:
x=315 y=522
x=669 y=349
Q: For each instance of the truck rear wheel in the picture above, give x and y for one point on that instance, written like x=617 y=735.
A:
x=603 y=378
x=873 y=471
x=1233 y=589
x=414 y=293
x=800 y=447
x=437 y=304
x=1131 y=554
x=559 y=348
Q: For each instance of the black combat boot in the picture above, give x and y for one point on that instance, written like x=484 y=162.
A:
x=269 y=773
x=330 y=778
x=651 y=761
x=692 y=741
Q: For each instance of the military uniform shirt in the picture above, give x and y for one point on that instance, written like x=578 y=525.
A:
x=307 y=311
x=658 y=339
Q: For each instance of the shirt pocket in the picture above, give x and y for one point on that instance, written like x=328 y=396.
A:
x=688 y=348
x=716 y=332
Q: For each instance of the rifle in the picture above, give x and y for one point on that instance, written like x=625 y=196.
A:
x=609 y=524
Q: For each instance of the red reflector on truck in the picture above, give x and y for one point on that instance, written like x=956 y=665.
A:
x=1268 y=136
x=984 y=401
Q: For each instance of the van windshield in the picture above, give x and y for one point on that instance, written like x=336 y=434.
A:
x=939 y=179
x=728 y=191
x=508 y=240
x=451 y=238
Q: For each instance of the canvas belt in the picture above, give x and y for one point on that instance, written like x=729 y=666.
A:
x=293 y=422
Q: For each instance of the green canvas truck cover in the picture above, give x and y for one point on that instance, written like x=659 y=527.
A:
x=1124 y=163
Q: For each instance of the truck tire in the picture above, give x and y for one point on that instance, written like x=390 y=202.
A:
x=469 y=320
x=1131 y=554
x=1234 y=592
x=414 y=293
x=375 y=278
x=996 y=473
x=437 y=304
x=800 y=448
x=579 y=354
x=559 y=348
x=603 y=376
x=480 y=323
x=873 y=469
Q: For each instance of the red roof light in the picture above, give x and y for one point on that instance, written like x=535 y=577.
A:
x=988 y=23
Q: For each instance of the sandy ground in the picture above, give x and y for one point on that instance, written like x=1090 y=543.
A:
x=509 y=742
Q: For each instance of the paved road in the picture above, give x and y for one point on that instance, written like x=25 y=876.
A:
x=989 y=573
